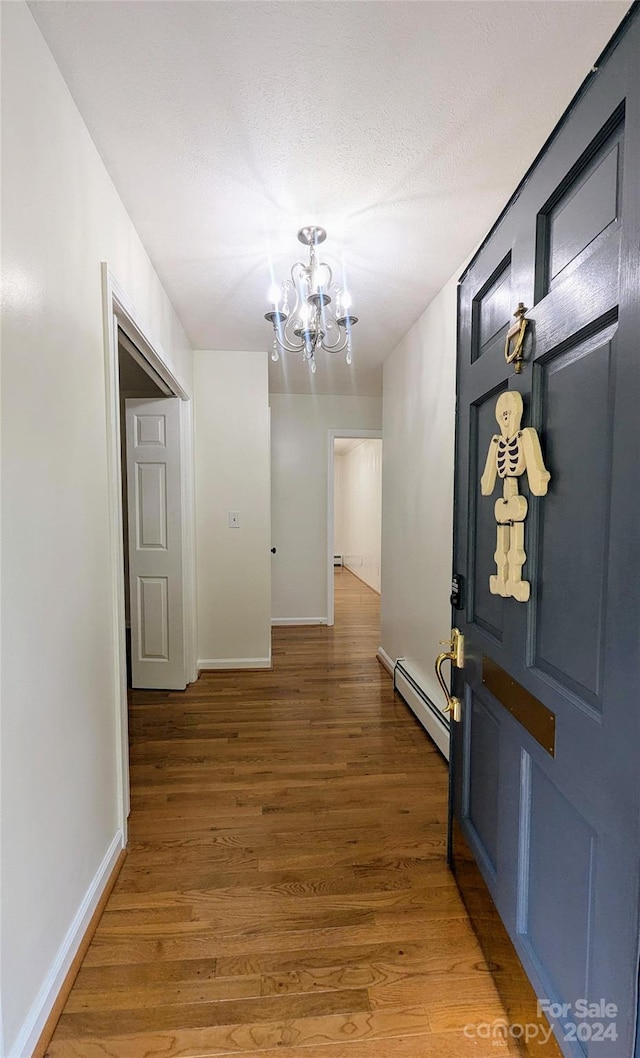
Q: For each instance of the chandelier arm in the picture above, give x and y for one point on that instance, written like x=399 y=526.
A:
x=299 y=274
x=287 y=345
x=323 y=264
x=339 y=343
x=294 y=323
x=337 y=348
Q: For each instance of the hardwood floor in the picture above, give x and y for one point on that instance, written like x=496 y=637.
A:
x=286 y=891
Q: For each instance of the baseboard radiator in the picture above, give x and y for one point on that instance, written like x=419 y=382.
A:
x=434 y=721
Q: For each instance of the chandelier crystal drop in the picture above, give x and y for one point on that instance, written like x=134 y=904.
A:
x=310 y=311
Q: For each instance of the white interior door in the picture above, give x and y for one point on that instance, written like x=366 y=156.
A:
x=155 y=543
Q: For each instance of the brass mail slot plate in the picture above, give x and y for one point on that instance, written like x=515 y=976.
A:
x=539 y=721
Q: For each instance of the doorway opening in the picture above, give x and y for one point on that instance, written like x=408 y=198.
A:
x=155 y=440
x=137 y=381
x=354 y=527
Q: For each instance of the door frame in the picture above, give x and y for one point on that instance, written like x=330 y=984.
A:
x=119 y=313
x=331 y=436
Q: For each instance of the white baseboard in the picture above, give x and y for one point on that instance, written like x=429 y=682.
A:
x=360 y=577
x=43 y=1003
x=385 y=660
x=211 y=664
x=429 y=716
x=298 y=620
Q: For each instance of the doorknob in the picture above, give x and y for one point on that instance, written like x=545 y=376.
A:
x=455 y=654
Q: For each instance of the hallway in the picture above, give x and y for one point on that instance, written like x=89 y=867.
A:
x=285 y=891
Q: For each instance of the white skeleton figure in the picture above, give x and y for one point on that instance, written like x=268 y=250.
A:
x=512 y=452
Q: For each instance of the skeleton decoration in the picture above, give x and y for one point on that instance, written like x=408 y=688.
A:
x=512 y=452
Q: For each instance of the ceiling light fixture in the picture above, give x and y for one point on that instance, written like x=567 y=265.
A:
x=308 y=323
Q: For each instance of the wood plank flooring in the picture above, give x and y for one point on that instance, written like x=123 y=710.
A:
x=286 y=891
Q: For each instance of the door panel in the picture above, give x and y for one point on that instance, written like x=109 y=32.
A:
x=492 y=310
x=154 y=492
x=557 y=898
x=583 y=213
x=151 y=505
x=487 y=609
x=575 y=516
x=555 y=828
x=153 y=619
x=584 y=207
x=483 y=769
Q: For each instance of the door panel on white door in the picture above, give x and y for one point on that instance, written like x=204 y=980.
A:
x=151 y=430
x=154 y=493
x=151 y=505
x=153 y=618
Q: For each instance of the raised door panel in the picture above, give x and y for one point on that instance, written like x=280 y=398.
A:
x=153 y=618
x=151 y=505
x=556 y=885
x=485 y=610
x=584 y=209
x=492 y=309
x=483 y=771
x=568 y=624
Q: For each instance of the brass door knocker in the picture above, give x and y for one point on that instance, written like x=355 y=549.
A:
x=516 y=333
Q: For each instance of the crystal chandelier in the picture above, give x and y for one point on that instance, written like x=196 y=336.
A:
x=301 y=317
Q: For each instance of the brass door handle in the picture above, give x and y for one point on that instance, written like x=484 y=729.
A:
x=455 y=654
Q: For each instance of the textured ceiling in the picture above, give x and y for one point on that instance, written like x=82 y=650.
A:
x=401 y=127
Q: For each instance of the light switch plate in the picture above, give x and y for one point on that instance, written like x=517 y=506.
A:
x=234 y=519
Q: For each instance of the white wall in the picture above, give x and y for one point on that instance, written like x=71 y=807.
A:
x=61 y=218
x=233 y=474
x=299 y=464
x=338 y=513
x=417 y=490
x=358 y=509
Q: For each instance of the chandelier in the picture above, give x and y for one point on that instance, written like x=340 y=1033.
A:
x=310 y=311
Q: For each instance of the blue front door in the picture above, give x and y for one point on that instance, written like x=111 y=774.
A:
x=546 y=758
